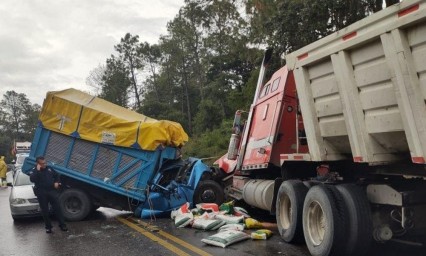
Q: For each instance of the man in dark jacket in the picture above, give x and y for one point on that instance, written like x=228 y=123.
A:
x=46 y=187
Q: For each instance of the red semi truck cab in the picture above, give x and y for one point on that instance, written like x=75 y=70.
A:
x=275 y=131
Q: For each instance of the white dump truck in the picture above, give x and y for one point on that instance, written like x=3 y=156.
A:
x=335 y=141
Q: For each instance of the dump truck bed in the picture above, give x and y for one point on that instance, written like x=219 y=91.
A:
x=125 y=171
x=99 y=143
x=362 y=90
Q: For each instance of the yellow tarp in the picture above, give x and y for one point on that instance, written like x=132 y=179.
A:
x=73 y=112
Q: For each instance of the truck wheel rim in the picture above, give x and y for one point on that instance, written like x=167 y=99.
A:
x=72 y=205
x=285 y=212
x=208 y=196
x=316 y=223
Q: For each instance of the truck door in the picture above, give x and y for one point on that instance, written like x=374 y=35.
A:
x=265 y=119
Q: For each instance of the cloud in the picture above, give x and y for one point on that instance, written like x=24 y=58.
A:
x=53 y=45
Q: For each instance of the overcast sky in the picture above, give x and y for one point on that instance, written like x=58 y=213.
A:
x=49 y=45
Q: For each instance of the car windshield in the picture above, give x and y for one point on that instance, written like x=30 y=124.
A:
x=22 y=179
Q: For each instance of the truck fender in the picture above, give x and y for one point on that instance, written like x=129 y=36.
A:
x=199 y=170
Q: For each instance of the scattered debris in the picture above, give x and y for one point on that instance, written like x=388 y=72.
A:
x=226 y=238
x=261 y=234
x=184 y=219
x=207 y=224
x=236 y=227
x=231 y=221
x=253 y=224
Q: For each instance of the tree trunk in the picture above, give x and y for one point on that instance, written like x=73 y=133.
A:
x=154 y=80
x=186 y=91
x=135 y=86
x=391 y=2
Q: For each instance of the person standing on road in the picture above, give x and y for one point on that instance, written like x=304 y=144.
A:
x=3 y=170
x=47 y=183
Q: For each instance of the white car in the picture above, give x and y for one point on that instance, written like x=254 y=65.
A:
x=9 y=178
x=23 y=202
x=20 y=158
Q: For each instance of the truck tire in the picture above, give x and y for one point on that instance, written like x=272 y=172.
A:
x=289 y=209
x=310 y=183
x=360 y=226
x=323 y=221
x=75 y=204
x=209 y=191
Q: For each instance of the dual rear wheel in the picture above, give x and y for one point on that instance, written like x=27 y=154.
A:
x=289 y=209
x=331 y=219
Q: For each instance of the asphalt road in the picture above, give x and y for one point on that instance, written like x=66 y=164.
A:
x=111 y=232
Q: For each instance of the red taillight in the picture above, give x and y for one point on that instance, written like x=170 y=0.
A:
x=349 y=36
x=408 y=10
x=303 y=56
x=357 y=159
x=418 y=160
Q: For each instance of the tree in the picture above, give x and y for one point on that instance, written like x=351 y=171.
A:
x=210 y=144
x=391 y=2
x=29 y=124
x=194 y=14
x=115 y=82
x=128 y=50
x=18 y=120
x=14 y=108
x=227 y=62
x=95 y=78
x=151 y=55
x=288 y=25
x=179 y=56
x=208 y=116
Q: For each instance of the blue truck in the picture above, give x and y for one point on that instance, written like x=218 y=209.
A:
x=101 y=174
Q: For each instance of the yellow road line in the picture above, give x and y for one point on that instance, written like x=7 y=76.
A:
x=154 y=238
x=178 y=241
